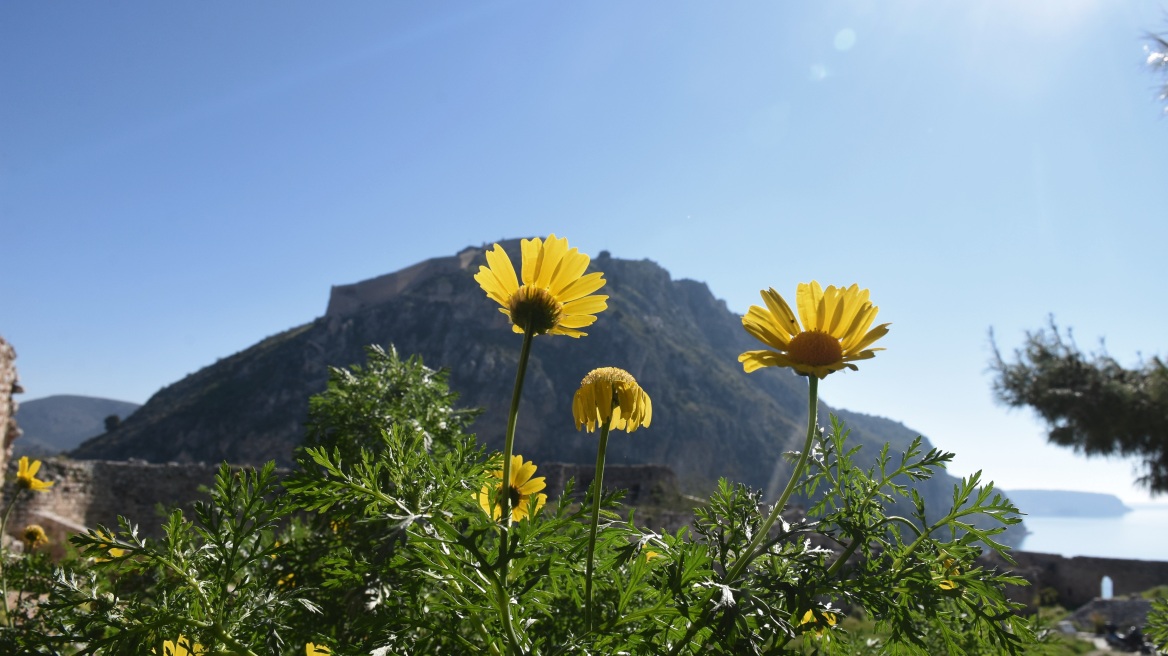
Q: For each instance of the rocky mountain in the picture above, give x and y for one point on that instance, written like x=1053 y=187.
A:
x=710 y=419
x=59 y=423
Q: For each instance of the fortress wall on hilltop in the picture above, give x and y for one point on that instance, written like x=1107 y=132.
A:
x=347 y=299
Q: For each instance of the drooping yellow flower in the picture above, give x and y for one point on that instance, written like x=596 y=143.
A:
x=834 y=332
x=34 y=536
x=181 y=647
x=26 y=476
x=823 y=621
x=521 y=491
x=114 y=552
x=316 y=650
x=949 y=568
x=554 y=295
x=611 y=395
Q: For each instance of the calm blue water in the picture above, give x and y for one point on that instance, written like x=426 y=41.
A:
x=1140 y=534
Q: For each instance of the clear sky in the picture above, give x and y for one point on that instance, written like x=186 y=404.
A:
x=180 y=180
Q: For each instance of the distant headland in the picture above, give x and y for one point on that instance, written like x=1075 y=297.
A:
x=1067 y=503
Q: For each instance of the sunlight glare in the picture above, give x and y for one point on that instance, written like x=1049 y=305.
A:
x=845 y=39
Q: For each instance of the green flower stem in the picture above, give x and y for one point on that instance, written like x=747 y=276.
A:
x=4 y=559
x=504 y=499
x=509 y=443
x=184 y=574
x=922 y=535
x=504 y=601
x=843 y=558
x=761 y=535
x=233 y=646
x=597 y=488
x=851 y=548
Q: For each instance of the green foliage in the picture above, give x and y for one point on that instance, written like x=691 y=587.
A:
x=26 y=578
x=363 y=401
x=1157 y=629
x=1158 y=60
x=352 y=555
x=211 y=579
x=377 y=544
x=1090 y=402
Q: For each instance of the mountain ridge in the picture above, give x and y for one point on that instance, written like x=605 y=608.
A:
x=61 y=422
x=710 y=418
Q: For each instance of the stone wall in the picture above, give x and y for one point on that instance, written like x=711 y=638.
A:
x=87 y=493
x=9 y=385
x=1072 y=582
x=347 y=299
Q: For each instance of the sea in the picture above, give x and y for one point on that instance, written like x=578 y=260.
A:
x=1141 y=534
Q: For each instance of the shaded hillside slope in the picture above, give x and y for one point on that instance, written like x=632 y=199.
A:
x=710 y=419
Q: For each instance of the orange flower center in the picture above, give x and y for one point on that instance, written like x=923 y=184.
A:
x=535 y=308
x=815 y=348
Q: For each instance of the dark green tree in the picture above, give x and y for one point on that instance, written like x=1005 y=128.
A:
x=1158 y=61
x=1089 y=401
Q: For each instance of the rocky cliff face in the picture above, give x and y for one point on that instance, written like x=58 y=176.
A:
x=710 y=419
x=8 y=406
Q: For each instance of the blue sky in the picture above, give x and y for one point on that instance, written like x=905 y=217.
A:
x=180 y=180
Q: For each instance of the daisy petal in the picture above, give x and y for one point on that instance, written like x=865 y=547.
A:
x=582 y=287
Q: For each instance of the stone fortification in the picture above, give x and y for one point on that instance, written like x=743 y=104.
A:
x=87 y=493
x=1072 y=582
x=9 y=385
x=349 y=299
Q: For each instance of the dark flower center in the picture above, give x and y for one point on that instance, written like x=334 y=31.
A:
x=815 y=348
x=535 y=309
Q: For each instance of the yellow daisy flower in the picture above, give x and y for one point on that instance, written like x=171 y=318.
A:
x=611 y=395
x=181 y=647
x=34 y=536
x=522 y=489
x=316 y=650
x=834 y=330
x=554 y=297
x=828 y=621
x=950 y=568
x=287 y=581
x=26 y=476
x=114 y=552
